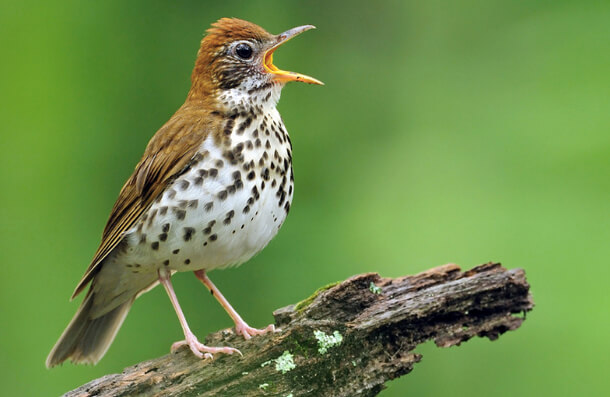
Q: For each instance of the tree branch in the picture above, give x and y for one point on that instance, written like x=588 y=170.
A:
x=347 y=339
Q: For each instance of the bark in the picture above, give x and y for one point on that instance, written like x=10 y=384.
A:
x=378 y=321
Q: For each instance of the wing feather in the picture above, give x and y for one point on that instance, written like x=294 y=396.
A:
x=168 y=154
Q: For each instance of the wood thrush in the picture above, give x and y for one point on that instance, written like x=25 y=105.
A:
x=213 y=187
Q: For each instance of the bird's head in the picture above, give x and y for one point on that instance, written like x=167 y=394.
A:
x=235 y=64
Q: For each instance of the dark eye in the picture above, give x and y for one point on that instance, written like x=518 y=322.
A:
x=244 y=51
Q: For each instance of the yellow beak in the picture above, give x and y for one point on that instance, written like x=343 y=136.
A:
x=283 y=75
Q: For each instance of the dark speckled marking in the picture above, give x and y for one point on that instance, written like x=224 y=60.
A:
x=213 y=172
x=176 y=251
x=163 y=236
x=251 y=175
x=184 y=184
x=166 y=262
x=143 y=238
x=213 y=237
x=236 y=175
x=187 y=261
x=198 y=181
x=155 y=245
x=180 y=213
x=222 y=195
x=193 y=204
x=163 y=210
x=188 y=233
x=208 y=206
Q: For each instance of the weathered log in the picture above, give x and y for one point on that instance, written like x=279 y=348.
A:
x=347 y=339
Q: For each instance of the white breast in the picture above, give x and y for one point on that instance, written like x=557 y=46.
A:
x=220 y=213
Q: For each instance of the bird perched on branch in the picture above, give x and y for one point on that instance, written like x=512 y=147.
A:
x=213 y=187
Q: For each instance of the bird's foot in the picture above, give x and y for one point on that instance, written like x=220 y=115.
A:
x=201 y=350
x=248 y=332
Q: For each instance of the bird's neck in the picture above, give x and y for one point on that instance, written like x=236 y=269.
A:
x=260 y=98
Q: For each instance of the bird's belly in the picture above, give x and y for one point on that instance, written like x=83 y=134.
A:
x=213 y=216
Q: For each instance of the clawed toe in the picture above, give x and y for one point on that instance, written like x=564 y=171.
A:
x=202 y=351
x=248 y=332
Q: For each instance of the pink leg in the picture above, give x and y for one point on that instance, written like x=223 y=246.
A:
x=240 y=325
x=199 y=349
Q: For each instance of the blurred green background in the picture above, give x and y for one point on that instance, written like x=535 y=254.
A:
x=447 y=132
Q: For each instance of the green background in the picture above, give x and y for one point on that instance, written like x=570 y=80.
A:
x=447 y=132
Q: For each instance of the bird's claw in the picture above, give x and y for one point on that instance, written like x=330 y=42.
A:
x=248 y=332
x=202 y=351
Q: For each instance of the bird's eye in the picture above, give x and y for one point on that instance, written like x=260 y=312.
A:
x=244 y=51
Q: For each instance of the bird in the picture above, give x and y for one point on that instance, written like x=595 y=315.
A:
x=213 y=187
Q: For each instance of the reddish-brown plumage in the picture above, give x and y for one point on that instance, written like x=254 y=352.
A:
x=204 y=79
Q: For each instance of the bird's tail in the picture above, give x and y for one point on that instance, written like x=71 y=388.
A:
x=86 y=339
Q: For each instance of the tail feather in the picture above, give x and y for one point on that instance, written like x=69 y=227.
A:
x=86 y=339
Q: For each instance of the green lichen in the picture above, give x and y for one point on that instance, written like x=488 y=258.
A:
x=325 y=341
x=284 y=363
x=374 y=289
x=299 y=307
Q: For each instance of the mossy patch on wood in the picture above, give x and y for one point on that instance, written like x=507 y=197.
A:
x=302 y=305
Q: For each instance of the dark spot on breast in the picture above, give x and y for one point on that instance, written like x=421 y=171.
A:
x=198 y=181
x=231 y=189
x=153 y=214
x=208 y=206
x=265 y=173
x=236 y=175
x=184 y=184
x=203 y=173
x=229 y=126
x=163 y=236
x=213 y=172
x=188 y=233
x=268 y=144
x=257 y=142
x=251 y=175
x=187 y=261
x=219 y=163
x=163 y=210
x=166 y=262
x=179 y=213
x=246 y=209
x=262 y=185
x=176 y=251
x=222 y=195
x=193 y=204
x=287 y=207
x=155 y=245
x=182 y=203
x=244 y=125
x=213 y=237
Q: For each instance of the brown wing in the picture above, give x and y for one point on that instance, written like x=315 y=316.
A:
x=168 y=154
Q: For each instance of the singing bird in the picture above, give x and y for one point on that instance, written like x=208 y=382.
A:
x=213 y=187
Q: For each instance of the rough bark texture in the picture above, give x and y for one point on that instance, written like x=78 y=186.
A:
x=380 y=328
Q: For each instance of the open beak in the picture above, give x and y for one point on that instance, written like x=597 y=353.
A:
x=282 y=75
